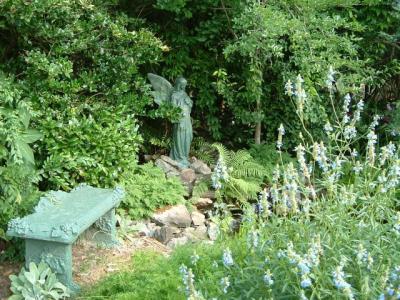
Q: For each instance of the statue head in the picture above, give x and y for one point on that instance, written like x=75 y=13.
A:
x=180 y=83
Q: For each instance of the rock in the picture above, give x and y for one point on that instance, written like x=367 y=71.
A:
x=201 y=177
x=213 y=231
x=152 y=227
x=148 y=157
x=170 y=161
x=165 y=234
x=177 y=242
x=201 y=232
x=209 y=194
x=167 y=168
x=142 y=228
x=172 y=174
x=198 y=218
x=177 y=215
x=196 y=234
x=200 y=167
x=188 y=232
x=202 y=203
x=188 y=176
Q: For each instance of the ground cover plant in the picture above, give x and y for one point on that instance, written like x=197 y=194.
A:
x=148 y=189
x=38 y=282
x=327 y=227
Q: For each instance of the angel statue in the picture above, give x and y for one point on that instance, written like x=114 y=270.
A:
x=182 y=133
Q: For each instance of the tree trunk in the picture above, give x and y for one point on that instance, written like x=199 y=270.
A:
x=257 y=135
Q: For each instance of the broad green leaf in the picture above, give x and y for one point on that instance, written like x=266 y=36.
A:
x=26 y=151
x=31 y=135
x=25 y=116
x=30 y=276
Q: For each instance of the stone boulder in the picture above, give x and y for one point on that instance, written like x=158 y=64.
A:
x=169 y=161
x=200 y=167
x=166 y=233
x=176 y=216
x=202 y=203
x=198 y=218
x=168 y=169
x=188 y=176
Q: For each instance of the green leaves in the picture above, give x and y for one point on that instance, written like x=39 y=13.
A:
x=22 y=144
x=79 y=67
x=147 y=189
x=38 y=282
x=18 y=177
x=94 y=149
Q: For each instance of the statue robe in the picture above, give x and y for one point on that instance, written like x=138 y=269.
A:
x=182 y=134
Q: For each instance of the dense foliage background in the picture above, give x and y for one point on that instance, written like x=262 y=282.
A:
x=75 y=105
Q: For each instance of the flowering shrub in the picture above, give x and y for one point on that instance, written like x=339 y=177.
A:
x=327 y=226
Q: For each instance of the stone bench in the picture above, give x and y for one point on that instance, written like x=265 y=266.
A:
x=58 y=220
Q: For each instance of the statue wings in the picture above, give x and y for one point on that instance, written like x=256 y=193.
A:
x=162 y=88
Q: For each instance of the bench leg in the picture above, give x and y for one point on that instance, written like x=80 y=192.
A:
x=106 y=232
x=57 y=256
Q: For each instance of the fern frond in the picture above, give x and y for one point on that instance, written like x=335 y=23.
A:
x=223 y=151
x=242 y=190
x=203 y=150
x=250 y=169
x=238 y=159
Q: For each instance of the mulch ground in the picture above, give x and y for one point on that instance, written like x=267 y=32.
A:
x=90 y=262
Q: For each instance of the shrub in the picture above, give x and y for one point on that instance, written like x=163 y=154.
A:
x=94 y=145
x=267 y=156
x=18 y=177
x=39 y=282
x=79 y=65
x=147 y=189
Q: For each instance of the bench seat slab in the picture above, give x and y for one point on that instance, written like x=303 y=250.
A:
x=62 y=217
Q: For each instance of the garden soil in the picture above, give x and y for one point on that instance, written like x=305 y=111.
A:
x=90 y=262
